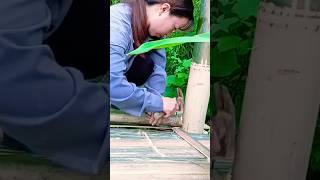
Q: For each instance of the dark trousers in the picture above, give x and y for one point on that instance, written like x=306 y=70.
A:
x=140 y=70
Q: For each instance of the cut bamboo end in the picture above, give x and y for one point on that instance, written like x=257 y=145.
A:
x=197 y=98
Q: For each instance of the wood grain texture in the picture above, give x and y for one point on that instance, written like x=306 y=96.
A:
x=200 y=147
x=133 y=157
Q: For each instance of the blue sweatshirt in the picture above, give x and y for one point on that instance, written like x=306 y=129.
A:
x=123 y=94
x=49 y=108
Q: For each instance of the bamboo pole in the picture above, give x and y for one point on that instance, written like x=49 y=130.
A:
x=119 y=117
x=281 y=98
x=198 y=89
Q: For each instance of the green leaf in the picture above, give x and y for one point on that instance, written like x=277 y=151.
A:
x=187 y=63
x=171 y=80
x=182 y=75
x=225 y=2
x=180 y=82
x=214 y=28
x=169 y=42
x=225 y=23
x=170 y=91
x=179 y=69
x=245 y=46
x=223 y=64
x=245 y=8
x=220 y=18
x=249 y=24
x=228 y=42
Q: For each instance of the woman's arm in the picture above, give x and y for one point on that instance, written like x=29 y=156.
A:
x=127 y=96
x=158 y=79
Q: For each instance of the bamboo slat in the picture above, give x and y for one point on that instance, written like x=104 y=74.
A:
x=153 y=154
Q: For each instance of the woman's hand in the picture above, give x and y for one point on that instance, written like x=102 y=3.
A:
x=170 y=106
x=157 y=118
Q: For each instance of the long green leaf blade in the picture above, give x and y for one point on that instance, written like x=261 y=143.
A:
x=169 y=42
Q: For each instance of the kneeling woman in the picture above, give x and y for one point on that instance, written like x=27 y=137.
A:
x=137 y=83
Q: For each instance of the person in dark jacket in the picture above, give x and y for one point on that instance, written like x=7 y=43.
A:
x=45 y=104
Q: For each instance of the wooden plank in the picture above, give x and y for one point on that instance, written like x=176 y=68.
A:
x=201 y=148
x=125 y=143
x=206 y=143
x=155 y=160
x=124 y=133
x=144 y=153
x=118 y=117
x=140 y=126
x=159 y=177
x=139 y=146
x=176 y=168
x=132 y=155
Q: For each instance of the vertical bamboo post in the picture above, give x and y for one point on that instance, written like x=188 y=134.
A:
x=282 y=96
x=198 y=89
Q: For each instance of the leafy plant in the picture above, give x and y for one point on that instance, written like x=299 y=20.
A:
x=114 y=2
x=179 y=78
x=232 y=31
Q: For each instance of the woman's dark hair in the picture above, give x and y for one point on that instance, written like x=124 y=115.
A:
x=180 y=8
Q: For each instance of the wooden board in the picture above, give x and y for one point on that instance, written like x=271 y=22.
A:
x=156 y=154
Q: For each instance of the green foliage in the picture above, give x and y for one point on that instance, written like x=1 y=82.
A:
x=314 y=164
x=232 y=31
x=179 y=78
x=114 y=2
x=245 y=9
x=315 y=155
x=179 y=58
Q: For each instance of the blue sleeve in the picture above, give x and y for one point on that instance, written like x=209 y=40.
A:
x=158 y=79
x=127 y=96
x=50 y=109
